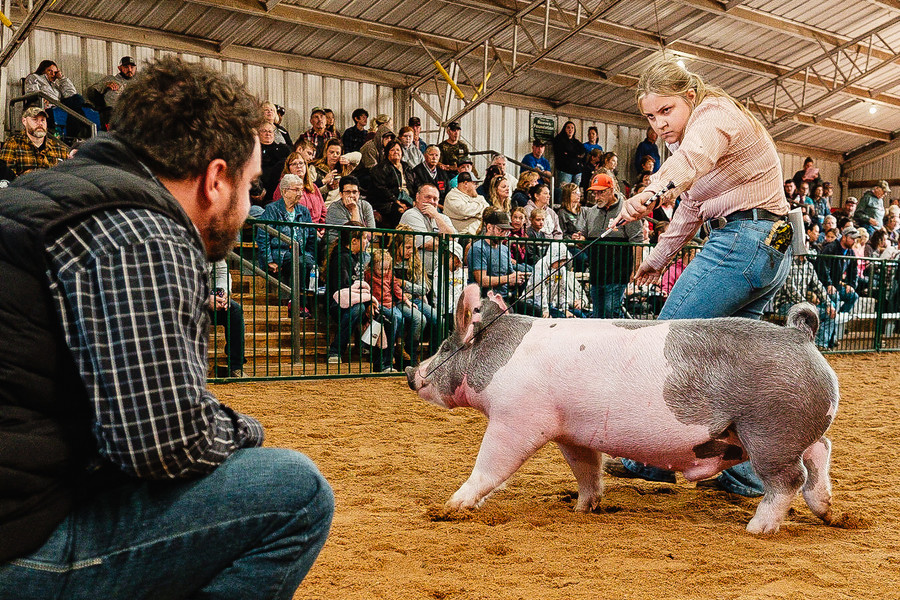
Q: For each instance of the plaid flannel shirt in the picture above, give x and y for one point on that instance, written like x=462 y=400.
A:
x=22 y=156
x=131 y=290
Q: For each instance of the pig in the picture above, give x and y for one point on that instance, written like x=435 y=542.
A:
x=695 y=395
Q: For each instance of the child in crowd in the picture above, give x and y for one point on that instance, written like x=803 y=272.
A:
x=556 y=290
x=410 y=270
x=388 y=292
x=535 y=250
x=448 y=285
x=517 y=220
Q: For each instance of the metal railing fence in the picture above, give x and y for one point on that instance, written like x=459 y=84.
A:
x=292 y=283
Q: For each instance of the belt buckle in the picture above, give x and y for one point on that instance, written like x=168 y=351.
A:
x=714 y=223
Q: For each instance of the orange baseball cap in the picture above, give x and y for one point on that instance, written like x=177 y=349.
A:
x=600 y=182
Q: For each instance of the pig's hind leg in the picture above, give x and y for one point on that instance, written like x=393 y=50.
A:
x=503 y=450
x=586 y=465
x=817 y=489
x=781 y=475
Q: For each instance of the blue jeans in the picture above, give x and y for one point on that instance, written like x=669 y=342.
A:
x=250 y=529
x=562 y=177
x=735 y=274
x=607 y=300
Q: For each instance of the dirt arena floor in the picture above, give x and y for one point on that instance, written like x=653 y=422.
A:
x=393 y=461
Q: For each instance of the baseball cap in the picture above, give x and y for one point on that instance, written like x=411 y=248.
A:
x=464 y=161
x=382 y=119
x=415 y=122
x=317 y=109
x=884 y=185
x=464 y=177
x=33 y=111
x=600 y=182
x=454 y=126
x=498 y=218
x=127 y=61
x=852 y=200
x=538 y=142
x=851 y=231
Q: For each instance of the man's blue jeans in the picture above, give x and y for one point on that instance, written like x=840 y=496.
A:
x=735 y=274
x=607 y=300
x=250 y=529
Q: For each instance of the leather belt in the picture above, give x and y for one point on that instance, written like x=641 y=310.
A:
x=754 y=214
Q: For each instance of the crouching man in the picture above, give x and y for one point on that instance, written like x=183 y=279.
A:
x=121 y=475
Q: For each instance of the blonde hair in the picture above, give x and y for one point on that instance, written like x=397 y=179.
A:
x=381 y=260
x=496 y=201
x=537 y=212
x=568 y=196
x=526 y=180
x=666 y=78
x=415 y=266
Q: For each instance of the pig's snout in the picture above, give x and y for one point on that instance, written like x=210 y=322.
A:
x=411 y=378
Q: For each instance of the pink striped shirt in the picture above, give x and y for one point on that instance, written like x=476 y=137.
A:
x=722 y=165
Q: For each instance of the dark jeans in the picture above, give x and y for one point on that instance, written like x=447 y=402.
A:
x=233 y=320
x=348 y=321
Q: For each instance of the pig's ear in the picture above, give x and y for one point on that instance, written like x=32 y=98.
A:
x=498 y=300
x=468 y=312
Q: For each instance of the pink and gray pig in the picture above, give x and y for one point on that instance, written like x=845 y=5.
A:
x=696 y=396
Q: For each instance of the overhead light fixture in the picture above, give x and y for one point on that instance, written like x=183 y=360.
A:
x=873 y=109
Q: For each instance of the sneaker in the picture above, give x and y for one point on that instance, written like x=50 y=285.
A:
x=305 y=314
x=333 y=359
x=615 y=468
x=389 y=370
x=237 y=373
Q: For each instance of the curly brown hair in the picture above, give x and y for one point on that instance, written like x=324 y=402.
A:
x=179 y=117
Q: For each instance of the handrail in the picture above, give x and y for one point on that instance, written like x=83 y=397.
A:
x=520 y=164
x=39 y=94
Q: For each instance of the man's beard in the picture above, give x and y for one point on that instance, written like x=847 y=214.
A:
x=223 y=230
x=37 y=132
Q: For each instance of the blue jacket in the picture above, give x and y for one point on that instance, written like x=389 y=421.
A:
x=272 y=249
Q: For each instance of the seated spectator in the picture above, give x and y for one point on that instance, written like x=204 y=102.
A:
x=568 y=152
x=349 y=295
x=829 y=223
x=642 y=181
x=390 y=189
x=307 y=149
x=273 y=157
x=593 y=141
x=32 y=148
x=892 y=224
x=847 y=209
x=809 y=174
x=274 y=253
x=450 y=282
x=424 y=217
x=499 y=194
x=351 y=208
x=373 y=151
x=354 y=137
x=416 y=124
x=318 y=134
x=537 y=162
x=556 y=290
x=647 y=147
x=270 y=114
x=592 y=162
x=408 y=268
x=665 y=211
x=105 y=93
x=500 y=162
x=882 y=246
x=489 y=260
x=803 y=285
x=453 y=149
x=812 y=238
x=534 y=250
x=569 y=211
x=389 y=296
x=463 y=166
x=225 y=311
x=828 y=193
x=820 y=203
x=861 y=249
x=429 y=171
x=519 y=225
x=328 y=170
x=47 y=78
x=837 y=271
x=492 y=172
x=790 y=192
x=610 y=166
x=611 y=263
x=311 y=197
x=329 y=124
x=412 y=156
x=870 y=212
x=527 y=180
x=540 y=198
x=805 y=203
x=463 y=206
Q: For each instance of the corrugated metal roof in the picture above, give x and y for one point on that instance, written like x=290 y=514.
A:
x=774 y=36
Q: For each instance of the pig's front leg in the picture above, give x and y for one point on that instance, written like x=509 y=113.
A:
x=586 y=465
x=503 y=450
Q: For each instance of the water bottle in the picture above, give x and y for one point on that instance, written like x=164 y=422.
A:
x=313 y=279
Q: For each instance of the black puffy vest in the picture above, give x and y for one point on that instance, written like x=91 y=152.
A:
x=45 y=418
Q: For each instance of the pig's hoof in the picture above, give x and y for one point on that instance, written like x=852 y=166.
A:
x=758 y=526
